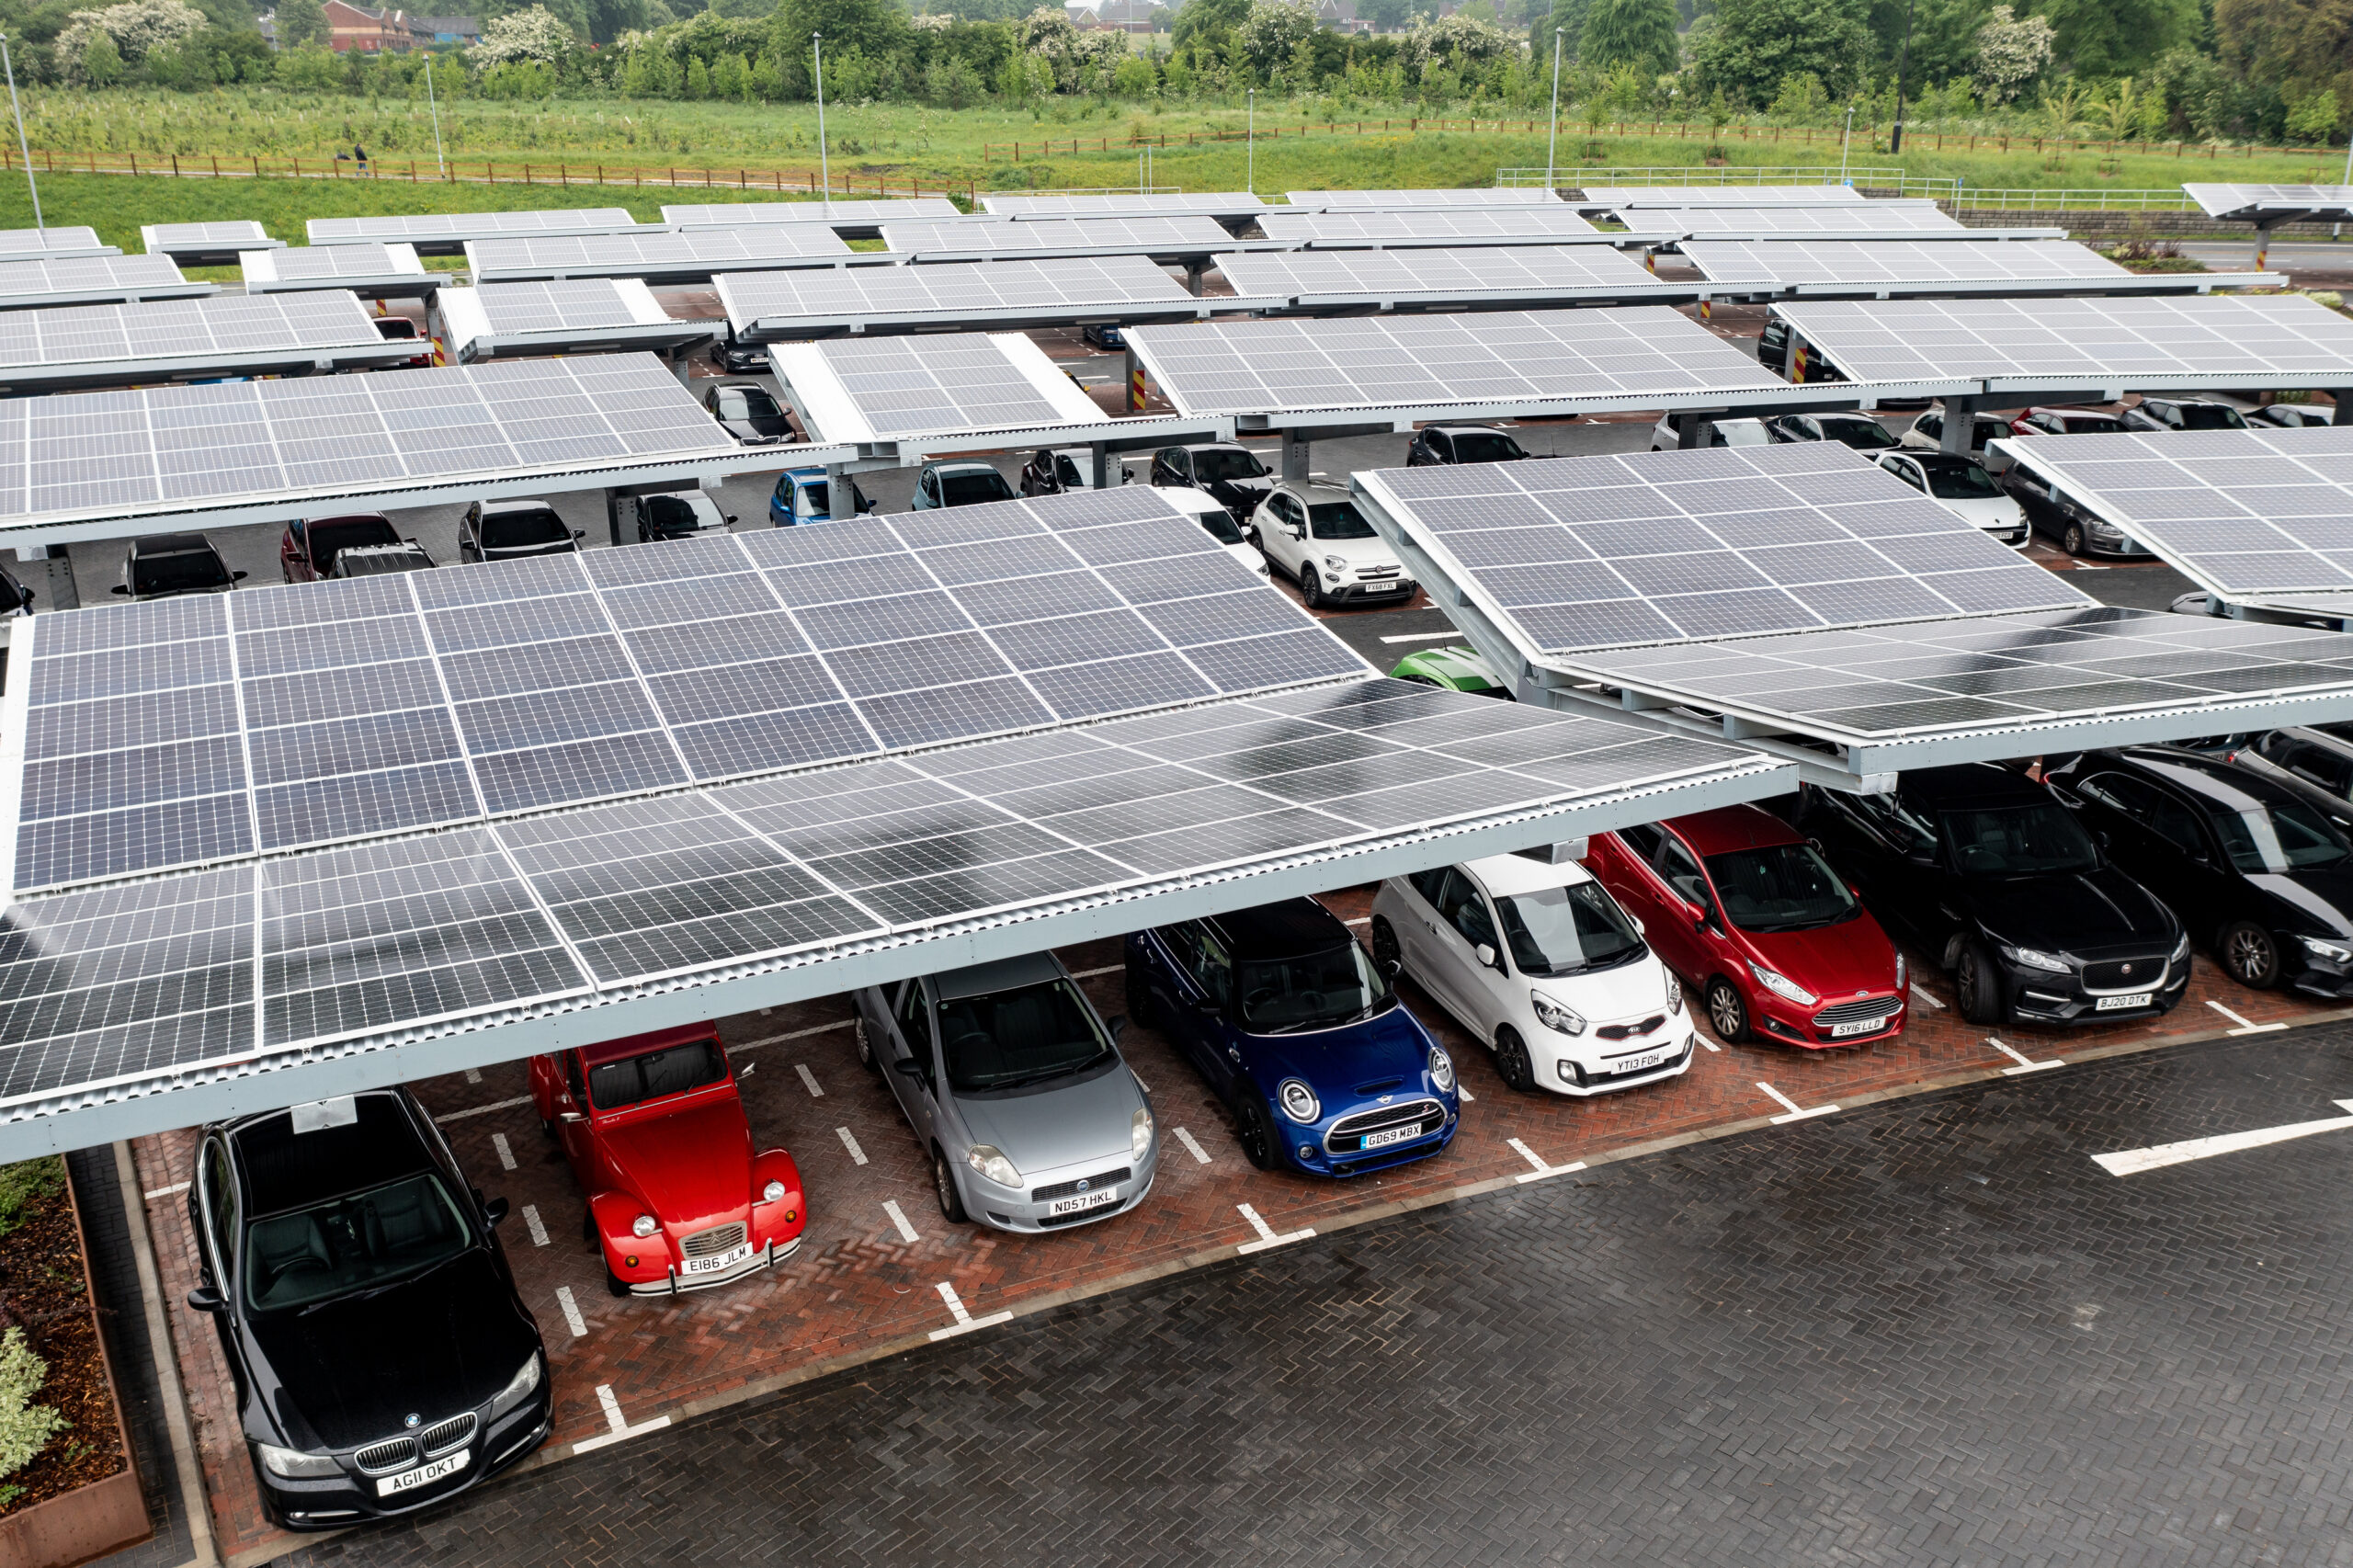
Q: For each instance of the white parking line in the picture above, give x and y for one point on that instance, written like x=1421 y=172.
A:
x=167 y=1191
x=2130 y=1162
x=851 y=1143
x=571 y=1311
x=1427 y=636
x=965 y=1322
x=1361 y=920
x=810 y=1079
x=1192 y=1146
x=899 y=1218
x=1542 y=1170
x=619 y=1428
x=2023 y=1065
x=505 y=1155
x=790 y=1034
x=1139 y=1078
x=473 y=1077
x=1795 y=1114
x=1463 y=1090
x=484 y=1109
x=1266 y=1237
x=2245 y=1026
x=1099 y=973
x=1928 y=996
x=531 y=1218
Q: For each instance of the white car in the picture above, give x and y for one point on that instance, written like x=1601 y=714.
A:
x=1962 y=486
x=1728 y=433
x=1221 y=525
x=1314 y=534
x=1927 y=432
x=1533 y=956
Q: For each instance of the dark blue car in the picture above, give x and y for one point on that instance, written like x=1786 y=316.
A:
x=1301 y=1035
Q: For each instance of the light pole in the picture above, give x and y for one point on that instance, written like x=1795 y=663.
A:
x=1903 y=58
x=2336 y=234
x=431 y=103
x=824 y=170
x=1844 y=142
x=1250 y=141
x=18 y=110
x=1552 y=137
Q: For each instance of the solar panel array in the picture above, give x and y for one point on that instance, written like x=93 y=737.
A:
x=163 y=239
x=936 y=385
x=1216 y=203
x=1422 y=361
x=763 y=302
x=1431 y=199
x=1308 y=276
x=93 y=275
x=327 y=264
x=72 y=240
x=728 y=215
x=1833 y=221
x=1515 y=225
x=469 y=225
x=582 y=305
x=98 y=452
x=698 y=252
x=2255 y=200
x=2211 y=340
x=992 y=237
x=1593 y=553
x=165 y=330
x=1895 y=264
x=1683 y=196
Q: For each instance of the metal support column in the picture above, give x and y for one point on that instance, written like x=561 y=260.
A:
x=1131 y=383
x=1791 y=356
x=1193 y=271
x=621 y=527
x=839 y=502
x=1295 y=458
x=1961 y=422
x=2343 y=396
x=52 y=580
x=678 y=359
x=1693 y=430
x=1102 y=466
x=2262 y=244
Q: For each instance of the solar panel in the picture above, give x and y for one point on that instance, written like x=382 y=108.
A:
x=123 y=454
x=93 y=278
x=1494 y=275
x=771 y=306
x=893 y=389
x=840 y=214
x=1674 y=197
x=657 y=257
x=1812 y=267
x=368 y=270
x=1435 y=199
x=2257 y=203
x=576 y=315
x=1508 y=225
x=41 y=244
x=96 y=342
x=447 y=231
x=2212 y=341
x=984 y=239
x=1573 y=553
x=198 y=245
x=190 y=730
x=1232 y=204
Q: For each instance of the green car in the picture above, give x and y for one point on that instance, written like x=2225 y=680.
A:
x=1457 y=669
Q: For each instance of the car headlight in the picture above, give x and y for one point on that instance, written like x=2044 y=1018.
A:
x=645 y=1225
x=1441 y=1069
x=772 y=1193
x=1899 y=974
x=2181 y=950
x=2035 y=957
x=1299 y=1102
x=293 y=1463
x=1337 y=567
x=1554 y=1016
x=2336 y=952
x=1674 y=989
x=1781 y=985
x=1140 y=1132
x=990 y=1163
x=519 y=1388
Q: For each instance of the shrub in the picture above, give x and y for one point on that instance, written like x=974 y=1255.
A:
x=25 y=1427
x=25 y=1184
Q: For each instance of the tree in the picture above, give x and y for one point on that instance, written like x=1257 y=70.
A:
x=1567 y=17
x=2115 y=38
x=876 y=29
x=25 y=1427
x=1271 y=35
x=1640 y=33
x=2316 y=116
x=132 y=31
x=534 y=35
x=1208 y=18
x=101 y=61
x=2010 y=54
x=1758 y=44
x=301 y=22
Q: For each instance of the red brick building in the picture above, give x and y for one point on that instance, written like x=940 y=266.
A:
x=356 y=27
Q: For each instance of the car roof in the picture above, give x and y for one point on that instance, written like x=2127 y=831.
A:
x=953 y=464
x=169 y=544
x=2224 y=783
x=2341 y=744
x=1507 y=874
x=1969 y=783
x=1003 y=974
x=1289 y=929
x=1729 y=828
x=1947 y=459
x=347 y=517
x=639 y=1044
x=1857 y=418
x=2093 y=413
x=2190 y=402
x=1456 y=425
x=284 y=1169
x=523 y=503
x=1186 y=499
x=1208 y=447
x=1315 y=494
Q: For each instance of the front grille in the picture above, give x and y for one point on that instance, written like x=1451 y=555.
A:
x=1083 y=1215
x=1855 y=1012
x=1347 y=1134
x=452 y=1434
x=1069 y=1189
x=1630 y=1031
x=397 y=1454
x=2146 y=975
x=1377 y=571
x=718 y=1238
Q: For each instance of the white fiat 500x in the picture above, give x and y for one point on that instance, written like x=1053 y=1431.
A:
x=1534 y=957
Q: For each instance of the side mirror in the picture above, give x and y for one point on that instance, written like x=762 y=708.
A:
x=730 y=519
x=745 y=1070
x=1486 y=955
x=205 y=1299
x=908 y=1065
x=570 y=1117
x=1393 y=968
x=236 y=577
x=496 y=1210
x=1207 y=1007
x=576 y=533
x=1640 y=929
x=121 y=588
x=1118 y=1026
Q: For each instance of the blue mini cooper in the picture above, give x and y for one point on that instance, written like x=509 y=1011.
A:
x=1301 y=1035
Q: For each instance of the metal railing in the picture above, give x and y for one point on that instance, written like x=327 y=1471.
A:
x=1577 y=175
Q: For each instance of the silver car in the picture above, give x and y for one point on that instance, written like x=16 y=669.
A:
x=1017 y=1092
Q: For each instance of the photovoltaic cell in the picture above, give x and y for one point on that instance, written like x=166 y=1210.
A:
x=666 y=257
x=458 y=226
x=841 y=214
x=1515 y=224
x=72 y=279
x=975 y=238
x=1833 y=221
x=1819 y=264
x=1116 y=204
x=162 y=332
x=1309 y=279
x=1435 y=199
x=41 y=244
x=2260 y=203
x=1607 y=198
x=766 y=305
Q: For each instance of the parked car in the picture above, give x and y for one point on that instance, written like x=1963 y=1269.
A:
x=1773 y=352
x=1927 y=432
x=1050 y=472
x=164 y=566
x=307 y=550
x=1030 y=1117
x=1987 y=870
x=399 y=329
x=1218 y=523
x=2066 y=421
x=1962 y=486
x=381 y=1358
x=380 y=560
x=1315 y=535
x=962 y=483
x=1664 y=438
x=738 y=358
x=1456 y=669
x=1742 y=908
x=1101 y=335
x=2054 y=514
x=508 y=530
x=16 y=601
x=2182 y=413
x=1292 y=1024
x=2319 y=755
x=2256 y=866
x=805 y=496
x=1227 y=470
x=748 y=412
x=2293 y=415
x=679 y=513
x=1535 y=960
x=1461 y=444
x=677 y=1197
x=1860 y=431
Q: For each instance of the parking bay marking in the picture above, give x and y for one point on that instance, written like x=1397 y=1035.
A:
x=1427 y=636
x=899 y=1218
x=1192 y=1146
x=2131 y=1162
x=810 y=1079
x=1542 y=1170
x=505 y=1155
x=2023 y=1065
x=1920 y=993
x=965 y=1322
x=1796 y=1112
x=619 y=1428
x=790 y=1034
x=850 y=1142
x=167 y=1191
x=2245 y=1026
x=484 y=1109
x=531 y=1218
x=572 y=1319
x=1266 y=1237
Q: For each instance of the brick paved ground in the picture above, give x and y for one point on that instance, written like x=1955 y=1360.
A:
x=1930 y=1332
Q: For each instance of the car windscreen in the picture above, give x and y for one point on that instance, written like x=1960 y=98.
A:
x=1485 y=446
x=1961 y=482
x=177 y=572
x=2286 y=837
x=1337 y=519
x=326 y=539
x=1321 y=990
x=2209 y=416
x=1211 y=466
x=1557 y=931
x=1221 y=525
x=1027 y=1036
x=2037 y=838
x=1863 y=435
x=514 y=530
x=331 y=1250
x=673 y=513
x=1784 y=888
x=2091 y=425
x=656 y=1074
x=966 y=489
x=748 y=402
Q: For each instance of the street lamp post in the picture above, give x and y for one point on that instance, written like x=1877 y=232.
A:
x=431 y=103
x=824 y=170
x=1843 y=143
x=18 y=110
x=1903 y=58
x=1250 y=142
x=1552 y=137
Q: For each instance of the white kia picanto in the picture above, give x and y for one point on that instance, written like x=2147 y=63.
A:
x=1533 y=956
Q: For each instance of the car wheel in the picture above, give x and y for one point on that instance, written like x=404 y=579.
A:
x=1140 y=1010
x=588 y=1228
x=943 y=1186
x=1977 y=985
x=547 y=1126
x=2071 y=538
x=1252 y=1132
x=1512 y=1065
x=613 y=1286
x=2250 y=954
x=1386 y=950
x=1311 y=587
x=1727 y=1014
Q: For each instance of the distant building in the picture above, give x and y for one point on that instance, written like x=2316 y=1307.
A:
x=1119 y=16
x=356 y=27
x=1341 y=17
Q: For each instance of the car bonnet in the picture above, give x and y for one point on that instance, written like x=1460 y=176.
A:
x=692 y=1167
x=1392 y=1049
x=1065 y=1122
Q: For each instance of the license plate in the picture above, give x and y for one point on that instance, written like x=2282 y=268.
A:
x=2118 y=1004
x=1860 y=1025
x=1384 y=587
x=423 y=1475
x=717 y=1261
x=1084 y=1200
x=1642 y=1063
x=1388 y=1135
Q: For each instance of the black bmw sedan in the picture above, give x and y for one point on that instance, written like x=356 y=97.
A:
x=2259 y=866
x=383 y=1358
x=1996 y=879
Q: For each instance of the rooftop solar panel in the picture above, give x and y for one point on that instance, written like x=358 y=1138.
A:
x=371 y=271
x=40 y=245
x=1230 y=204
x=1493 y=276
x=768 y=307
x=1425 y=200
x=205 y=244
x=2112 y=344
x=95 y=278
x=444 y=233
x=1605 y=198
x=2271 y=203
x=682 y=257
x=894 y=388
x=1508 y=225
x=841 y=215
x=1887 y=267
x=98 y=344
x=1846 y=220
x=574 y=316
x=985 y=239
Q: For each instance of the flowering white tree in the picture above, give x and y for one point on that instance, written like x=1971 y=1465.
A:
x=1462 y=39
x=535 y=34
x=2010 y=54
x=135 y=29
x=1271 y=34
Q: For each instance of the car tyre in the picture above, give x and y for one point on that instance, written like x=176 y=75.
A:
x=2071 y=538
x=866 y=1057
x=1311 y=588
x=1727 y=1012
x=1512 y=1063
x=1140 y=1010
x=613 y=1285
x=1977 y=985
x=943 y=1188
x=1251 y=1131
x=588 y=1227
x=1385 y=948
x=2251 y=955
